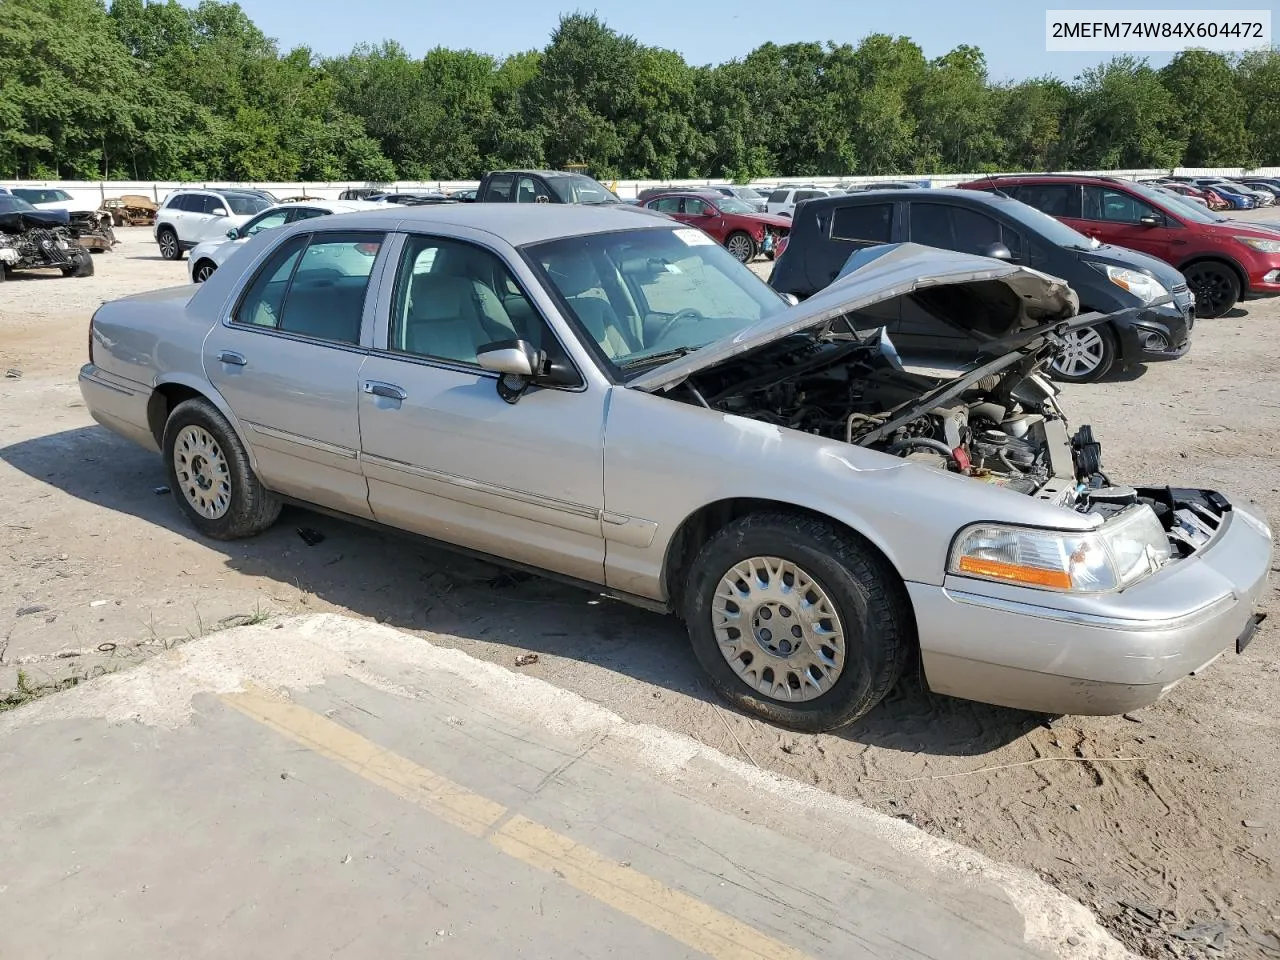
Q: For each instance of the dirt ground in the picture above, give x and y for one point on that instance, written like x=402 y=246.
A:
x=1164 y=823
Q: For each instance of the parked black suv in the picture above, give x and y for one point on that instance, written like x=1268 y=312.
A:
x=1153 y=311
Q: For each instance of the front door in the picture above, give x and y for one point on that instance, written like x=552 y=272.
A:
x=444 y=454
x=1116 y=216
x=287 y=359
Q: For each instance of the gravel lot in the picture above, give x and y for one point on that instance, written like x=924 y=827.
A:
x=1175 y=811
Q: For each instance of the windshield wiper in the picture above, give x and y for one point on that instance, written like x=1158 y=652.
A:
x=674 y=354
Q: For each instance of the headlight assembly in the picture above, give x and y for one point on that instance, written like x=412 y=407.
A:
x=1146 y=288
x=1118 y=554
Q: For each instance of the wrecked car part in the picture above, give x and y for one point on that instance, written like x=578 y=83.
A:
x=33 y=239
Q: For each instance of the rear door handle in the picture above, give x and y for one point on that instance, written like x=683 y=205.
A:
x=388 y=390
x=233 y=358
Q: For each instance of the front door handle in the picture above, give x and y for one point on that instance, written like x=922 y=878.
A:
x=388 y=390
x=233 y=358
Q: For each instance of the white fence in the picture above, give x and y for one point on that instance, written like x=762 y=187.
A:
x=627 y=189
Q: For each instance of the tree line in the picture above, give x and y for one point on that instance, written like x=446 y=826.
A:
x=138 y=90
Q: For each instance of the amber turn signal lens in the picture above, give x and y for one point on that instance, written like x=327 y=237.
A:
x=1015 y=573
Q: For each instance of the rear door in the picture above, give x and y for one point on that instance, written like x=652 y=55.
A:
x=287 y=358
x=844 y=229
x=1117 y=216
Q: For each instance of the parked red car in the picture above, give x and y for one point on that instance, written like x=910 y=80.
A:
x=729 y=220
x=1214 y=201
x=1224 y=260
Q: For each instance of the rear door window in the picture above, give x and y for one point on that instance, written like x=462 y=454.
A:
x=314 y=286
x=953 y=228
x=1055 y=199
x=499 y=189
x=867 y=223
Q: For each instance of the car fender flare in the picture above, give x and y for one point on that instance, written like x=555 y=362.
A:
x=205 y=389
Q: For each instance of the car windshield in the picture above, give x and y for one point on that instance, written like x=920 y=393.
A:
x=734 y=205
x=1050 y=228
x=245 y=204
x=14 y=205
x=579 y=189
x=1177 y=204
x=647 y=296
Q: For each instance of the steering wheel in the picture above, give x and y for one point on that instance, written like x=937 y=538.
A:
x=687 y=312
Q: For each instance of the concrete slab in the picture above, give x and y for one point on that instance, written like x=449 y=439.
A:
x=328 y=787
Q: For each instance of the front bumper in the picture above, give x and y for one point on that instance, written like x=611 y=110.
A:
x=1107 y=654
x=1158 y=332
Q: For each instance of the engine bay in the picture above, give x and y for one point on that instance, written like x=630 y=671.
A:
x=998 y=424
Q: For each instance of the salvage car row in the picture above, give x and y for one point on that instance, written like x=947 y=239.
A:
x=606 y=394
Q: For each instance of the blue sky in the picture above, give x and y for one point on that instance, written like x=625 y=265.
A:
x=1011 y=33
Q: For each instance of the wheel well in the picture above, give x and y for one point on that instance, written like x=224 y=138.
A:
x=163 y=399
x=705 y=522
x=1222 y=261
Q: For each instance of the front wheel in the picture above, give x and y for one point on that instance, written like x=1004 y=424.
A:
x=210 y=474
x=170 y=249
x=1087 y=355
x=81 y=266
x=741 y=246
x=1216 y=288
x=796 y=621
x=203 y=271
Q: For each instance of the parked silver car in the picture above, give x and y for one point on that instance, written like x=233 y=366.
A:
x=625 y=405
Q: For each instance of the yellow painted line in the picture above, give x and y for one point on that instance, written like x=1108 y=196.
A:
x=447 y=800
x=680 y=916
x=654 y=904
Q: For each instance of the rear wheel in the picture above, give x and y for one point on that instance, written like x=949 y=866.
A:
x=170 y=249
x=797 y=622
x=741 y=246
x=1087 y=356
x=1216 y=287
x=210 y=473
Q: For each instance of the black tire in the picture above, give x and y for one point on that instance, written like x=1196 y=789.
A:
x=203 y=271
x=1106 y=357
x=1215 y=285
x=81 y=265
x=865 y=591
x=740 y=244
x=252 y=507
x=170 y=248
x=4 y=272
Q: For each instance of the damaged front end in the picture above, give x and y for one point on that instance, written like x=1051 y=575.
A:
x=960 y=387
x=93 y=229
x=32 y=239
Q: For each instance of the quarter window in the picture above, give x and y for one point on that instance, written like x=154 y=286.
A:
x=452 y=299
x=863 y=223
x=779 y=196
x=313 y=286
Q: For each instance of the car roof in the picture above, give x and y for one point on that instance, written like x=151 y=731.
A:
x=544 y=173
x=1050 y=178
x=516 y=223
x=703 y=193
x=972 y=197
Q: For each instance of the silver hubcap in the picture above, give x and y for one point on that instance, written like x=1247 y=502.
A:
x=778 y=629
x=1082 y=354
x=204 y=273
x=740 y=247
x=202 y=472
x=167 y=244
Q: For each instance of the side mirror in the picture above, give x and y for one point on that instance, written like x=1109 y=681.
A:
x=233 y=234
x=521 y=366
x=997 y=251
x=1149 y=221
x=219 y=211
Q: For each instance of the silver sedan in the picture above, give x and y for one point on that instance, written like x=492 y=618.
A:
x=822 y=491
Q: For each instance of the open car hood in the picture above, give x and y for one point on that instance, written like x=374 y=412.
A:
x=1001 y=304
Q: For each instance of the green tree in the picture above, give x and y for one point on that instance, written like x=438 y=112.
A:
x=1127 y=118
x=1258 y=77
x=1211 y=109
